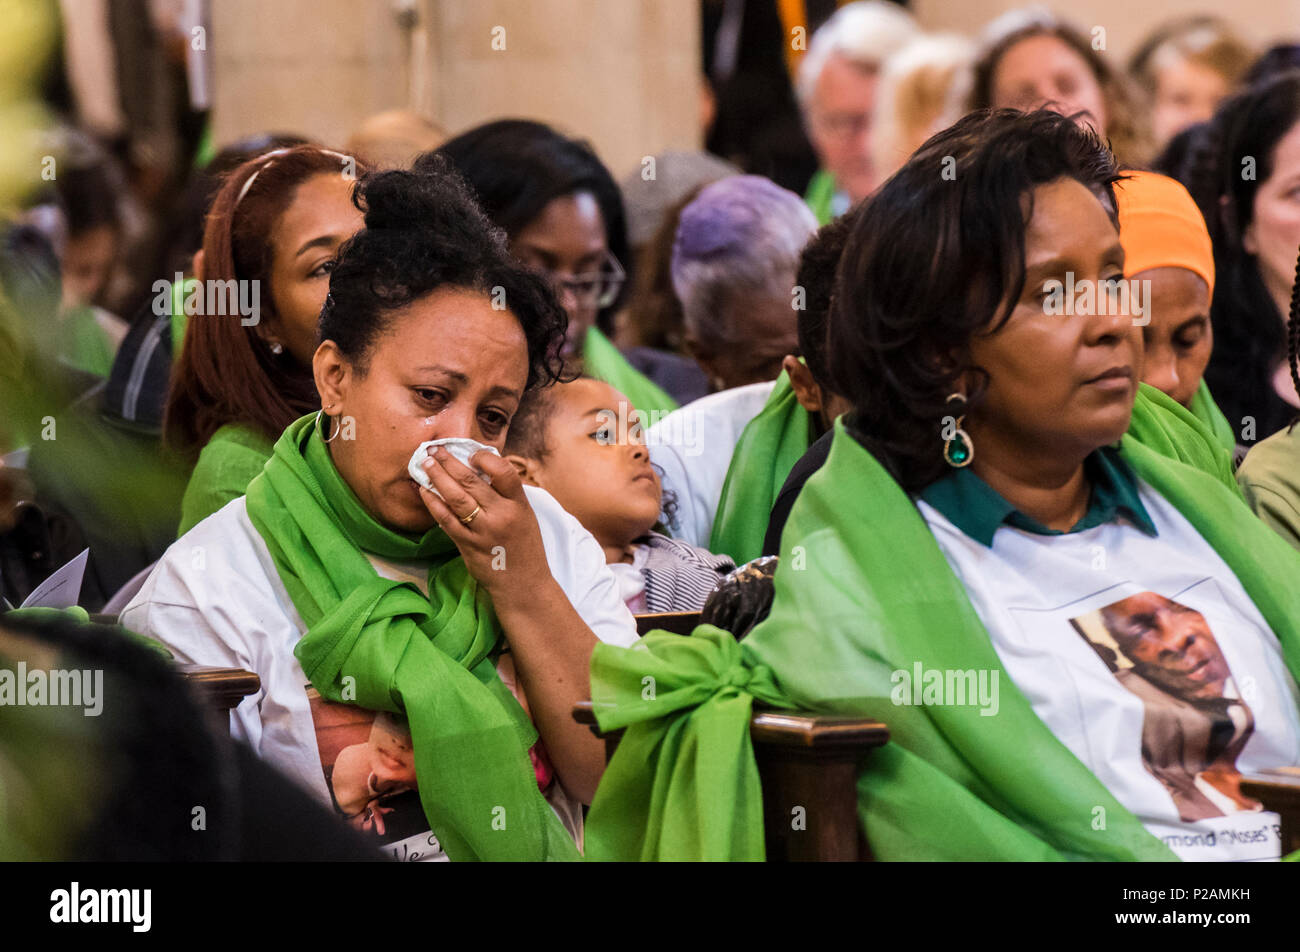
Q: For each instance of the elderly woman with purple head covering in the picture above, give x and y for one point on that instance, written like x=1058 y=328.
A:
x=734 y=267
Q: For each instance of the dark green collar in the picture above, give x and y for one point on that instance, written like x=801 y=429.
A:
x=975 y=508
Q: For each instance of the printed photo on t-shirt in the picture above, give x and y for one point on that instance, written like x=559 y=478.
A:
x=1195 y=722
x=369 y=766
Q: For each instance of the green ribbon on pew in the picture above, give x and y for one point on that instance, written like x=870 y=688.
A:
x=382 y=645
x=767 y=450
x=877 y=596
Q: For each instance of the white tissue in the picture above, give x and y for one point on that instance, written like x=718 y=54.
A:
x=460 y=447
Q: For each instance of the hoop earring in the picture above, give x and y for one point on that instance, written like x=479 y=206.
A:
x=336 y=432
x=959 y=449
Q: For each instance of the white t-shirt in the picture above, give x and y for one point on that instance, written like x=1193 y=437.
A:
x=1042 y=599
x=216 y=598
x=693 y=447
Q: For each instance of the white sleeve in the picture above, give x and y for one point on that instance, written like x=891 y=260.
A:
x=578 y=564
x=208 y=615
x=696 y=505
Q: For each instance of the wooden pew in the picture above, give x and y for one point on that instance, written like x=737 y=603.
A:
x=1279 y=791
x=679 y=623
x=808 y=766
x=221 y=689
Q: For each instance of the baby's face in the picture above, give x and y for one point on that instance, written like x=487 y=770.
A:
x=596 y=465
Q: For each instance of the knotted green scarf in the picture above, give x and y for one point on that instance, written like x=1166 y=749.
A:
x=602 y=360
x=767 y=450
x=382 y=645
x=873 y=594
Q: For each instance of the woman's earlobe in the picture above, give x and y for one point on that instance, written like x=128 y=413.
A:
x=330 y=371
x=806 y=389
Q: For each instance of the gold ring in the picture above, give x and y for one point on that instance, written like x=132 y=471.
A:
x=471 y=517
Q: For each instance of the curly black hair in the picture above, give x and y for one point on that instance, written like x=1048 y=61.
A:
x=937 y=256
x=424 y=231
x=817 y=265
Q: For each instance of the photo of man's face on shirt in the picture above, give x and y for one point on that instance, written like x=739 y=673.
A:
x=369 y=766
x=1195 y=721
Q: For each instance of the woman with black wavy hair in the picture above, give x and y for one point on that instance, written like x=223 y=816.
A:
x=412 y=644
x=563 y=215
x=946 y=569
x=1246 y=180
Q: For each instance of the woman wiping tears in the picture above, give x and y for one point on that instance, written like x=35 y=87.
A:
x=465 y=618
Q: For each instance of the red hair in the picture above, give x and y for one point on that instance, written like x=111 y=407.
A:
x=226 y=372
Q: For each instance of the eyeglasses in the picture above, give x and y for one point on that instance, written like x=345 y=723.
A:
x=594 y=288
x=842 y=126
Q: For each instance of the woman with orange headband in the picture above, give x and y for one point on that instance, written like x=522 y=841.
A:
x=1167 y=248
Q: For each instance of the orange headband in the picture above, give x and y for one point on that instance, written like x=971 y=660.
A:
x=1161 y=227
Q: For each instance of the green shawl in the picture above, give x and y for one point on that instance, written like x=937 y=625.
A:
x=602 y=360
x=1207 y=411
x=233 y=456
x=872 y=594
x=767 y=450
x=382 y=645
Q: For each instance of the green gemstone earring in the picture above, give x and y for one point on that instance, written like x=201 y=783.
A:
x=958 y=450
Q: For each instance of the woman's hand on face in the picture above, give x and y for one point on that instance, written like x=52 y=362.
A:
x=501 y=544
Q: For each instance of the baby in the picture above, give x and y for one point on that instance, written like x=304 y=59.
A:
x=581 y=442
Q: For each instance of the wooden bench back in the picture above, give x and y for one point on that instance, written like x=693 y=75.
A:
x=808 y=766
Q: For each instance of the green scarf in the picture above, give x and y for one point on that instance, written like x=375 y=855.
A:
x=602 y=360
x=382 y=645
x=767 y=450
x=1207 y=411
x=820 y=195
x=874 y=594
x=84 y=344
x=179 y=319
x=233 y=456
x=1162 y=424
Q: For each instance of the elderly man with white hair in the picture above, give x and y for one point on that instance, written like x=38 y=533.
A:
x=836 y=87
x=734 y=263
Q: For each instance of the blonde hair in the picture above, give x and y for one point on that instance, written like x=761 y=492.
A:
x=923 y=89
x=1205 y=40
